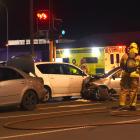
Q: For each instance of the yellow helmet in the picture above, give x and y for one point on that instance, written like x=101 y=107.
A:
x=133 y=48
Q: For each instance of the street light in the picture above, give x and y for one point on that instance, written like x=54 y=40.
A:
x=6 y=9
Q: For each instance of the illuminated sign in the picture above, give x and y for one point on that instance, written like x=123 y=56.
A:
x=27 y=42
x=112 y=49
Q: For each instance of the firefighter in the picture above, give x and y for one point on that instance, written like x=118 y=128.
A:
x=130 y=65
x=83 y=65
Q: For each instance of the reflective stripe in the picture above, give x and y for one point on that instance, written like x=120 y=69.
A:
x=122 y=104
x=133 y=104
x=134 y=74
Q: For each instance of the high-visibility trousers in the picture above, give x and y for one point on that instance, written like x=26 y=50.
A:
x=129 y=88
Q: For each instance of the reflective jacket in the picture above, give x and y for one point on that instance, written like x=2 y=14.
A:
x=123 y=61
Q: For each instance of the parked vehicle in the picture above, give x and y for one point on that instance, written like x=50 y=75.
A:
x=60 y=79
x=18 y=88
x=101 y=87
x=98 y=59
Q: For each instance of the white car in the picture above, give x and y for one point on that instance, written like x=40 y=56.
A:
x=100 y=87
x=60 y=79
x=18 y=88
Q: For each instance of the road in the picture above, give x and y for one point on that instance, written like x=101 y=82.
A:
x=69 y=120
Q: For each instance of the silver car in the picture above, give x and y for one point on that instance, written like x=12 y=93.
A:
x=101 y=87
x=17 y=87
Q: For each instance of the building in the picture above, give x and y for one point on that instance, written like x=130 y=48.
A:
x=102 y=51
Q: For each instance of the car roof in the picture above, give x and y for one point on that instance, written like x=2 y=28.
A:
x=43 y=62
x=37 y=63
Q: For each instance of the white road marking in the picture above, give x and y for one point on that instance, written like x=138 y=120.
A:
x=128 y=121
x=44 y=132
x=65 y=106
x=62 y=130
x=51 y=113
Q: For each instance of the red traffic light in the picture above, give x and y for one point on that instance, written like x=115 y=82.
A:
x=42 y=15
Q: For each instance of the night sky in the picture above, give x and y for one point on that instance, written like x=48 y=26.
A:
x=80 y=17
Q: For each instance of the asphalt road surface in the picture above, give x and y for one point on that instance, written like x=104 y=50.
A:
x=70 y=120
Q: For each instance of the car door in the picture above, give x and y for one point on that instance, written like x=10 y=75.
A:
x=58 y=80
x=76 y=77
x=11 y=86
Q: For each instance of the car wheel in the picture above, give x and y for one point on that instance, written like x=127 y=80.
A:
x=87 y=94
x=47 y=96
x=112 y=92
x=101 y=93
x=29 y=101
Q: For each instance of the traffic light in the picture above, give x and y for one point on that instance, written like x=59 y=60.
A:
x=63 y=32
x=42 y=18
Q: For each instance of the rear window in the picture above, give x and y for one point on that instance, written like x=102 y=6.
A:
x=49 y=68
x=9 y=74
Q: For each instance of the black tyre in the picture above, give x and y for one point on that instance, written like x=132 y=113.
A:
x=47 y=96
x=87 y=94
x=29 y=101
x=101 y=93
x=112 y=92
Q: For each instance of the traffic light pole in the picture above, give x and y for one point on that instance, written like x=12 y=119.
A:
x=54 y=51
x=51 y=50
x=31 y=29
x=51 y=38
x=7 y=30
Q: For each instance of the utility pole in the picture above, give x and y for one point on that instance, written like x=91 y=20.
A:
x=31 y=29
x=7 y=30
x=51 y=37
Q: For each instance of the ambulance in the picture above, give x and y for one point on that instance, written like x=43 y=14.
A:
x=98 y=59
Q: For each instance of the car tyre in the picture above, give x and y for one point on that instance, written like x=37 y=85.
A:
x=47 y=97
x=101 y=93
x=29 y=100
x=87 y=94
